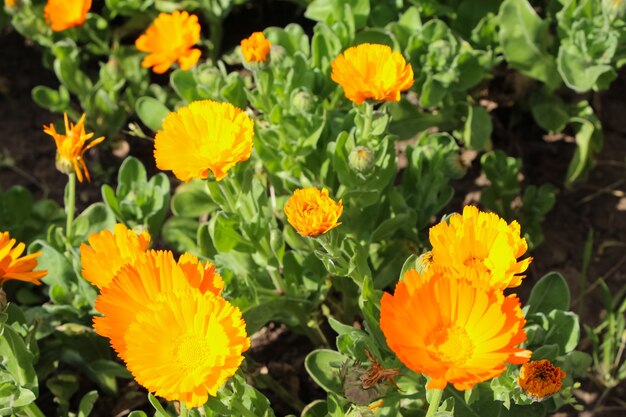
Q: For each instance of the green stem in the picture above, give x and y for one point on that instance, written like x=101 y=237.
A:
x=70 y=205
x=31 y=410
x=434 y=402
x=293 y=401
x=367 y=125
x=183 y=410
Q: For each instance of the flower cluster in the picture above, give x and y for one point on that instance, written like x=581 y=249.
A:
x=165 y=318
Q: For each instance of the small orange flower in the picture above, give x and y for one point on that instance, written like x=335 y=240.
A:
x=108 y=252
x=169 y=39
x=65 y=14
x=10 y=3
x=71 y=147
x=312 y=212
x=370 y=71
x=452 y=330
x=14 y=267
x=201 y=137
x=477 y=242
x=540 y=379
x=255 y=48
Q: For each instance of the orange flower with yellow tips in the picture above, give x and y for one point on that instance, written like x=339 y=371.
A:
x=452 y=330
x=14 y=266
x=312 y=212
x=255 y=48
x=170 y=38
x=108 y=251
x=371 y=71
x=65 y=14
x=205 y=136
x=476 y=242
x=71 y=147
x=540 y=379
x=178 y=341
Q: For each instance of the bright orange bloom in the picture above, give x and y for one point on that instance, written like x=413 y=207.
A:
x=108 y=252
x=201 y=137
x=71 y=147
x=10 y=3
x=452 y=330
x=14 y=267
x=312 y=212
x=256 y=48
x=178 y=337
x=65 y=14
x=540 y=379
x=370 y=71
x=477 y=242
x=169 y=39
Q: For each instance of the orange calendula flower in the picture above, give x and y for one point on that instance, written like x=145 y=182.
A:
x=451 y=329
x=540 y=379
x=10 y=3
x=107 y=252
x=477 y=242
x=371 y=71
x=256 y=48
x=185 y=342
x=201 y=137
x=12 y=266
x=170 y=38
x=65 y=14
x=71 y=147
x=312 y=212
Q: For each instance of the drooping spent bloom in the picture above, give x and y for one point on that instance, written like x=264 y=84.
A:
x=14 y=266
x=170 y=38
x=185 y=342
x=540 y=379
x=65 y=14
x=108 y=252
x=255 y=48
x=371 y=71
x=452 y=330
x=476 y=242
x=204 y=136
x=312 y=212
x=71 y=147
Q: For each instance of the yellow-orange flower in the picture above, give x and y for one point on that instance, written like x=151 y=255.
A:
x=477 y=242
x=65 y=14
x=170 y=38
x=256 y=48
x=71 y=147
x=14 y=267
x=540 y=379
x=371 y=71
x=312 y=212
x=10 y=3
x=452 y=330
x=201 y=137
x=108 y=252
x=178 y=337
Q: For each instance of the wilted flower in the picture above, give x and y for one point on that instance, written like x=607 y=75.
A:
x=255 y=48
x=452 y=330
x=371 y=71
x=170 y=38
x=71 y=147
x=540 y=379
x=201 y=137
x=312 y=212
x=12 y=267
x=477 y=242
x=64 y=14
x=107 y=252
x=178 y=337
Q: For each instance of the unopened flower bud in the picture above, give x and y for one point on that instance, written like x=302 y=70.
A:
x=277 y=54
x=361 y=159
x=455 y=167
x=303 y=101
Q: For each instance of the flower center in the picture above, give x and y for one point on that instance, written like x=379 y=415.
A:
x=192 y=351
x=451 y=345
x=476 y=263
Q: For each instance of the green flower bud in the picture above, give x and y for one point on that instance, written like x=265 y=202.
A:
x=277 y=54
x=361 y=159
x=455 y=167
x=303 y=101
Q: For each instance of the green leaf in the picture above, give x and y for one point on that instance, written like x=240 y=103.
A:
x=53 y=100
x=17 y=359
x=524 y=38
x=478 y=128
x=564 y=330
x=578 y=72
x=160 y=411
x=151 y=112
x=323 y=366
x=589 y=141
x=548 y=110
x=317 y=408
x=86 y=403
x=260 y=314
x=185 y=85
x=93 y=219
x=549 y=352
x=549 y=293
